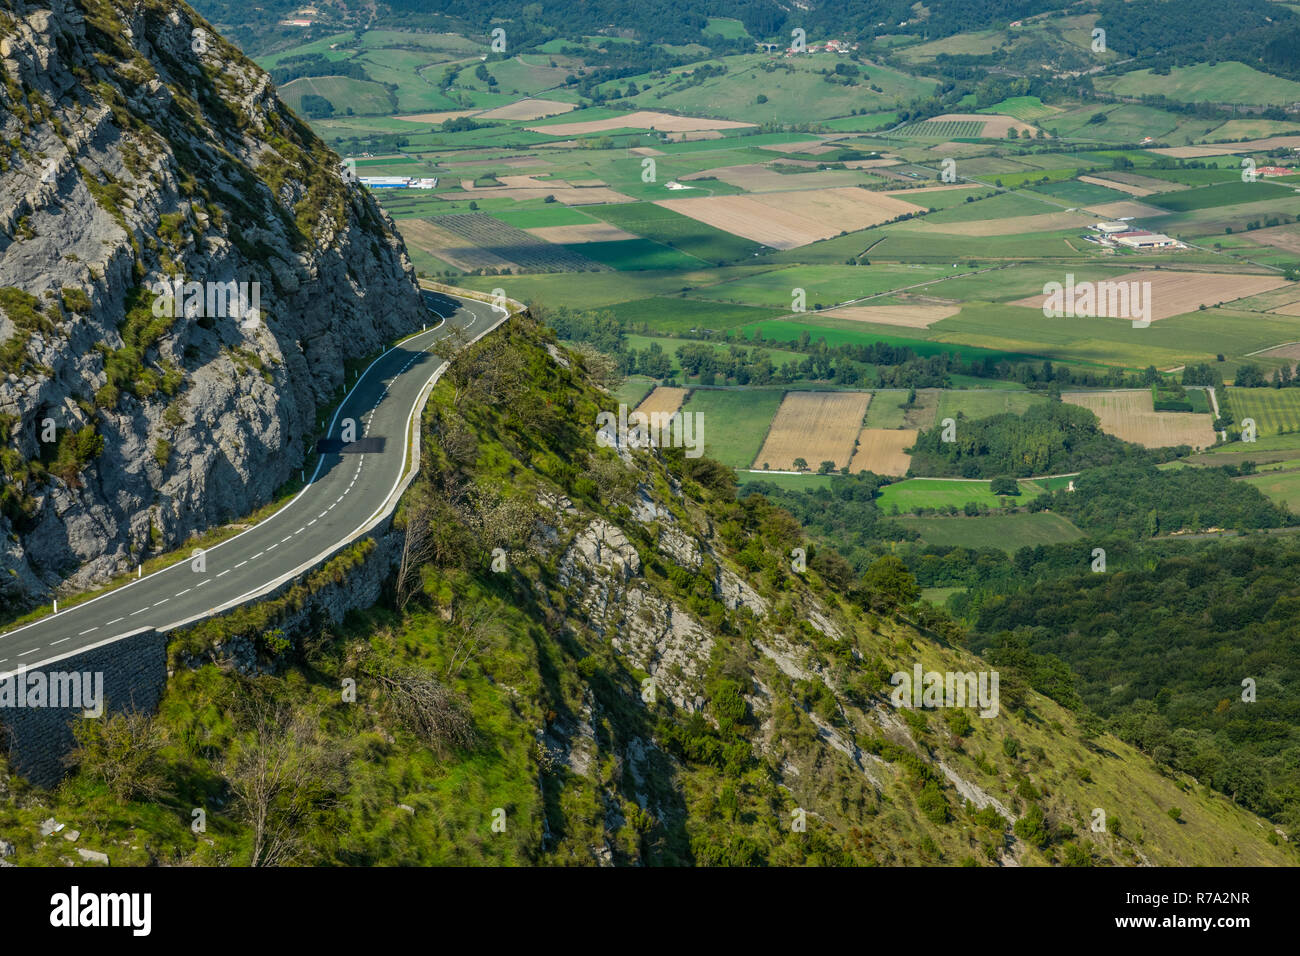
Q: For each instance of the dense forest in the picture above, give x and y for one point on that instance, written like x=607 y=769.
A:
x=1171 y=653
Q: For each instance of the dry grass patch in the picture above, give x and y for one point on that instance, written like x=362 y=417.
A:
x=881 y=450
x=1176 y=293
x=1130 y=415
x=814 y=426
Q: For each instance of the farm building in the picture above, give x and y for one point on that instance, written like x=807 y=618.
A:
x=1112 y=228
x=1274 y=171
x=1141 y=239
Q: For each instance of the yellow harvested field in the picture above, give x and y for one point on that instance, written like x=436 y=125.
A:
x=1011 y=226
x=1130 y=415
x=1124 y=208
x=641 y=119
x=811 y=147
x=871 y=163
x=881 y=450
x=908 y=316
x=1229 y=149
x=1292 y=308
x=1176 y=293
x=528 y=109
x=814 y=426
x=1144 y=182
x=664 y=400
x=786 y=220
x=582 y=232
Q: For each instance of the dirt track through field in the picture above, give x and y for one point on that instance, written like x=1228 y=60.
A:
x=814 y=426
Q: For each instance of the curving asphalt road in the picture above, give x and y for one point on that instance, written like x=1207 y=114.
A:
x=353 y=487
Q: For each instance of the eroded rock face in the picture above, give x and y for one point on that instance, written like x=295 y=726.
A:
x=151 y=149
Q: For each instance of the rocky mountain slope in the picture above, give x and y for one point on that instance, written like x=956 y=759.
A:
x=140 y=147
x=600 y=656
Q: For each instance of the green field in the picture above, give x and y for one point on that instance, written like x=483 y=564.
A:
x=1275 y=410
x=982 y=403
x=1229 y=82
x=1282 y=487
x=633 y=390
x=788 y=482
x=1009 y=532
x=1224 y=194
x=822 y=284
x=633 y=255
x=914 y=493
x=734 y=422
x=669 y=314
x=678 y=231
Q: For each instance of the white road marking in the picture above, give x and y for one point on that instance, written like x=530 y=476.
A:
x=32 y=651
x=240 y=564
x=224 y=573
x=312 y=522
x=256 y=556
x=300 y=530
x=141 y=611
x=273 y=547
x=179 y=593
x=115 y=620
x=286 y=538
x=62 y=639
x=201 y=583
x=163 y=601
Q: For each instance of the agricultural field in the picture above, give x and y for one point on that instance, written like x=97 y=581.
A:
x=914 y=493
x=982 y=403
x=941 y=130
x=664 y=400
x=1010 y=532
x=1282 y=487
x=679 y=232
x=1224 y=194
x=1229 y=82
x=734 y=421
x=814 y=426
x=1131 y=415
x=1275 y=410
x=785 y=220
x=478 y=241
x=1176 y=293
x=882 y=450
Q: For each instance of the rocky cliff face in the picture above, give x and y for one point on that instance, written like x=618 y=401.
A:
x=140 y=148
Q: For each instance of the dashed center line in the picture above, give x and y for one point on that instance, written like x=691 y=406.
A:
x=224 y=573
x=115 y=620
x=186 y=591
